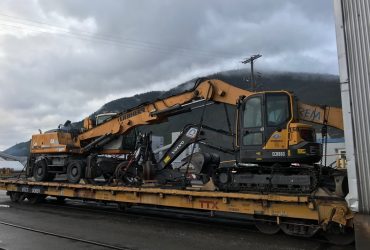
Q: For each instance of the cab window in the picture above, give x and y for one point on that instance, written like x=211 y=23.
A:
x=278 y=109
x=252 y=113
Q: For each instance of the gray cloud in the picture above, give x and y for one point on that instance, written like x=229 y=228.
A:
x=63 y=59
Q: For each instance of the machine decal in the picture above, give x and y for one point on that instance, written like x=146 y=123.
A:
x=177 y=147
x=279 y=154
x=301 y=151
x=208 y=204
x=276 y=136
x=192 y=133
x=32 y=190
x=131 y=114
x=167 y=159
x=310 y=113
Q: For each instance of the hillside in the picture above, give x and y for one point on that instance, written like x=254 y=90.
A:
x=304 y=85
x=19 y=149
x=310 y=88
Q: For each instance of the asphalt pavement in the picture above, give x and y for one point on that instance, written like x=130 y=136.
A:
x=131 y=230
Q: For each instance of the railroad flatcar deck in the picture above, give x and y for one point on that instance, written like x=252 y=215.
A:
x=301 y=215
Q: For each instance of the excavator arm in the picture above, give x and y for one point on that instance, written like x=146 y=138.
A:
x=213 y=90
x=155 y=112
x=208 y=90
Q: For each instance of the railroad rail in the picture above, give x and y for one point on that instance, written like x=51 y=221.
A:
x=299 y=215
x=90 y=242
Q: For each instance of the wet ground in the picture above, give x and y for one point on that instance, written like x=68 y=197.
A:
x=132 y=230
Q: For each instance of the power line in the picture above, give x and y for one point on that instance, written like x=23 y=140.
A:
x=110 y=41
x=85 y=33
x=135 y=44
x=251 y=61
x=72 y=35
x=93 y=39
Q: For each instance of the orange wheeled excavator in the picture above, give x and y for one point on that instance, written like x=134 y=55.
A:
x=275 y=144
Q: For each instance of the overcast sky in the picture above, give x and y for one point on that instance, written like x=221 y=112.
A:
x=62 y=60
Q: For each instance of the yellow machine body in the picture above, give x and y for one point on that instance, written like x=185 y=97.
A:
x=53 y=142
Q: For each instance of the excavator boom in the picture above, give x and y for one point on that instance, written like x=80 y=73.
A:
x=208 y=90
x=211 y=90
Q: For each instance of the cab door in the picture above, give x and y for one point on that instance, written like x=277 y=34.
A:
x=264 y=121
x=251 y=124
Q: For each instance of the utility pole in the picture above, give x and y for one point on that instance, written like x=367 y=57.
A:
x=251 y=60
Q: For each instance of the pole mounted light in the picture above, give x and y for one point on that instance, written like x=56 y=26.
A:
x=251 y=60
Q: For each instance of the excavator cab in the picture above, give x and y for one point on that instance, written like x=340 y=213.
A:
x=276 y=152
x=269 y=131
x=101 y=118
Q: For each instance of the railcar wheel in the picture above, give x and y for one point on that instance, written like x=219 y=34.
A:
x=123 y=206
x=61 y=199
x=40 y=171
x=35 y=198
x=267 y=227
x=14 y=196
x=75 y=171
x=339 y=236
x=297 y=229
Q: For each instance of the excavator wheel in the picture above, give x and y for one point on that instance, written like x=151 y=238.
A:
x=75 y=171
x=40 y=171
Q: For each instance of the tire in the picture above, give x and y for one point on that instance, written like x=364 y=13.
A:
x=75 y=171
x=40 y=171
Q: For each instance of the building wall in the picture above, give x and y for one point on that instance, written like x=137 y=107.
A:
x=15 y=165
x=335 y=146
x=333 y=152
x=353 y=42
